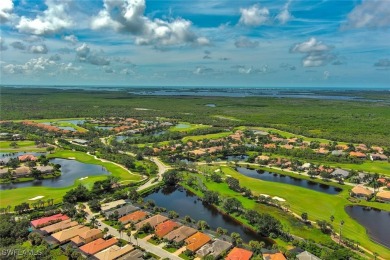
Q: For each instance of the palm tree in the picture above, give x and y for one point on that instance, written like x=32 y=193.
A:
x=121 y=228
x=331 y=218
x=93 y=221
x=341 y=225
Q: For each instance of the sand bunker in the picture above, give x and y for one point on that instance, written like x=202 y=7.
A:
x=37 y=198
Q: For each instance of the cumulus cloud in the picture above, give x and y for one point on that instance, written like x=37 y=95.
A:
x=382 y=63
x=84 y=54
x=128 y=17
x=201 y=70
x=6 y=7
x=284 y=16
x=254 y=15
x=71 y=38
x=2 y=45
x=54 y=19
x=39 y=49
x=369 y=14
x=244 y=42
x=317 y=53
x=18 y=45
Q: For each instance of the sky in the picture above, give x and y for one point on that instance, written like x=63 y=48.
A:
x=200 y=43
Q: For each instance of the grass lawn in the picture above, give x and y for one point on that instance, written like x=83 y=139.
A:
x=380 y=167
x=23 y=146
x=186 y=127
x=154 y=241
x=68 y=124
x=86 y=158
x=318 y=205
x=170 y=249
x=209 y=136
x=16 y=196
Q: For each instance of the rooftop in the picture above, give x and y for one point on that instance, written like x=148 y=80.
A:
x=276 y=256
x=164 y=228
x=239 y=254
x=47 y=220
x=113 y=252
x=59 y=226
x=112 y=204
x=360 y=190
x=307 y=256
x=383 y=195
x=133 y=217
x=67 y=234
x=196 y=241
x=153 y=221
x=180 y=233
x=98 y=245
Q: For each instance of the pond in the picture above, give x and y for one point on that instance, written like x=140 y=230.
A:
x=376 y=222
x=210 y=105
x=71 y=170
x=120 y=138
x=75 y=122
x=241 y=157
x=274 y=177
x=69 y=128
x=158 y=133
x=104 y=127
x=186 y=203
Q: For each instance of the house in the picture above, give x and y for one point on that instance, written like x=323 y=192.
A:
x=377 y=149
x=113 y=252
x=306 y=166
x=361 y=147
x=153 y=221
x=287 y=146
x=239 y=254
x=214 y=249
x=164 y=228
x=307 y=256
x=107 y=206
x=66 y=235
x=27 y=157
x=382 y=181
x=359 y=155
x=134 y=217
x=4 y=171
x=338 y=152
x=45 y=169
x=87 y=236
x=45 y=221
x=133 y=255
x=22 y=171
x=270 y=146
x=275 y=256
x=97 y=245
x=383 y=196
x=180 y=234
x=361 y=192
x=262 y=158
x=378 y=157
x=340 y=173
x=65 y=224
x=196 y=241
x=322 y=151
x=122 y=211
x=342 y=147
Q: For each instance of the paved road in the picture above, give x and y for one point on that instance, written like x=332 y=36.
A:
x=140 y=242
x=162 y=168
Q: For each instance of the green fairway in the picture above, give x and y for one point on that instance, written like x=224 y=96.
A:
x=22 y=146
x=208 y=136
x=318 y=205
x=186 y=127
x=17 y=196
x=115 y=170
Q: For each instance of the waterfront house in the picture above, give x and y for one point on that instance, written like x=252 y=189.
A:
x=133 y=217
x=180 y=234
x=22 y=171
x=27 y=157
x=359 y=155
x=109 y=205
x=239 y=254
x=164 y=228
x=196 y=241
x=307 y=256
x=361 y=192
x=153 y=221
x=215 y=249
x=378 y=157
x=122 y=211
x=340 y=173
x=275 y=256
x=383 y=196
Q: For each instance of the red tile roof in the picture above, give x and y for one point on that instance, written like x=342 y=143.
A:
x=133 y=217
x=98 y=245
x=239 y=254
x=196 y=241
x=27 y=157
x=41 y=222
x=164 y=228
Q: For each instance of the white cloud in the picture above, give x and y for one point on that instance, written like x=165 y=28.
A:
x=382 y=63
x=71 y=38
x=317 y=53
x=284 y=16
x=41 y=49
x=18 y=45
x=254 y=15
x=128 y=17
x=84 y=54
x=6 y=7
x=54 y=19
x=369 y=14
x=244 y=42
x=326 y=75
x=200 y=70
x=244 y=70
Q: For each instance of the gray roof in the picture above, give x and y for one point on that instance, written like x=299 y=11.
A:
x=307 y=256
x=340 y=172
x=338 y=152
x=122 y=211
x=133 y=255
x=215 y=249
x=180 y=233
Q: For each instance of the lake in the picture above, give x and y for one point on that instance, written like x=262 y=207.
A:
x=376 y=222
x=274 y=177
x=186 y=203
x=71 y=170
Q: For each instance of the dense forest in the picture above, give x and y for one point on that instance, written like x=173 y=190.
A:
x=350 y=121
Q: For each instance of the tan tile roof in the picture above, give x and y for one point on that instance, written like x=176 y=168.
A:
x=59 y=226
x=98 y=245
x=360 y=190
x=153 y=221
x=113 y=252
x=180 y=234
x=383 y=195
x=67 y=234
x=133 y=217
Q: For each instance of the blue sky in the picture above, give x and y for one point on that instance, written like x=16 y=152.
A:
x=270 y=43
